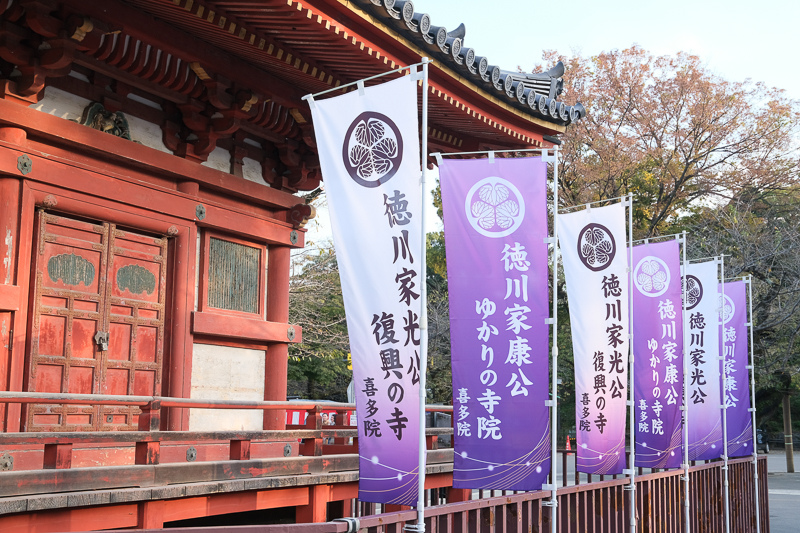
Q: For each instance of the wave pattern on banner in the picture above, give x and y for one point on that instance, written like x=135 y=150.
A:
x=498 y=476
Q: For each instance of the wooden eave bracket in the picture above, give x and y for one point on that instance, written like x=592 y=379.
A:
x=141 y=25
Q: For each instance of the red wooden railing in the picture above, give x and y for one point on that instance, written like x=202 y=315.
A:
x=598 y=507
x=49 y=463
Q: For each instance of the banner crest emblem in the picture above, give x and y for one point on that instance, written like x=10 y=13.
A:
x=693 y=292
x=728 y=309
x=596 y=247
x=651 y=276
x=495 y=208
x=372 y=149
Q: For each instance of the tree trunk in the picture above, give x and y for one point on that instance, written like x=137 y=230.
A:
x=787 y=432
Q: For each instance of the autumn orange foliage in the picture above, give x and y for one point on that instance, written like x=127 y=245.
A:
x=671 y=132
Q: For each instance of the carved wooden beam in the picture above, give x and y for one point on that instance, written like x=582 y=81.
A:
x=37 y=15
x=20 y=47
x=191 y=49
x=300 y=214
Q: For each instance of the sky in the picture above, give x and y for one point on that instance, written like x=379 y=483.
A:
x=736 y=40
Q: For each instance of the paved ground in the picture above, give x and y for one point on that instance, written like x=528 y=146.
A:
x=784 y=493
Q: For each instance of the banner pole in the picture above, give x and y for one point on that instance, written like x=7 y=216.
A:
x=554 y=357
x=724 y=401
x=749 y=282
x=631 y=414
x=685 y=398
x=423 y=321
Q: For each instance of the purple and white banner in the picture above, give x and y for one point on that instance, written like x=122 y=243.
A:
x=701 y=322
x=495 y=221
x=370 y=159
x=658 y=348
x=593 y=245
x=735 y=376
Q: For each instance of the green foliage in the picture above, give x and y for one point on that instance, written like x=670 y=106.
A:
x=319 y=378
x=759 y=233
x=436 y=260
x=318 y=366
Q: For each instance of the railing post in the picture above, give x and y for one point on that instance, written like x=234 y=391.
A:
x=57 y=456
x=240 y=450
x=313 y=446
x=343 y=421
x=149 y=452
x=458 y=495
x=150 y=417
x=432 y=442
x=316 y=509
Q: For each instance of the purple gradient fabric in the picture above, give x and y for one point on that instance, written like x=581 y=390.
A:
x=495 y=221
x=658 y=347
x=369 y=155
x=734 y=371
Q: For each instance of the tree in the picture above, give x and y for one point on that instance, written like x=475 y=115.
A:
x=759 y=232
x=672 y=133
x=318 y=365
x=717 y=158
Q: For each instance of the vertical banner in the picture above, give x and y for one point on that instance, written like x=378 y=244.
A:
x=593 y=245
x=369 y=155
x=658 y=360
x=702 y=325
x=495 y=222
x=735 y=377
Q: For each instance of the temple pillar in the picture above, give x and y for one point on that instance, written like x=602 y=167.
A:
x=277 y=360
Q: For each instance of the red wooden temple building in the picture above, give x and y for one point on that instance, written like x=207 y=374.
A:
x=153 y=159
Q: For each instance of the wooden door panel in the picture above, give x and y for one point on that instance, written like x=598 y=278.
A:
x=119 y=346
x=52 y=336
x=136 y=300
x=64 y=358
x=94 y=278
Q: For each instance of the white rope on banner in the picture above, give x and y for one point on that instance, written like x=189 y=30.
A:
x=685 y=406
x=721 y=314
x=752 y=369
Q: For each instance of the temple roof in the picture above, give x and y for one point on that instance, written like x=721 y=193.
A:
x=536 y=93
x=318 y=44
x=216 y=69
